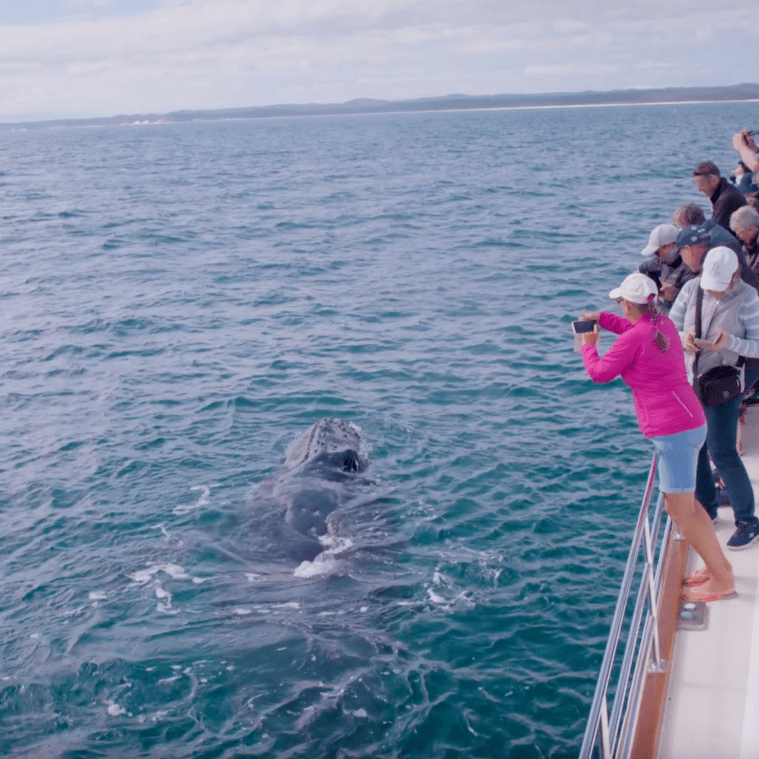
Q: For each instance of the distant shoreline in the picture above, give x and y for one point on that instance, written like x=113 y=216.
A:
x=365 y=107
x=578 y=105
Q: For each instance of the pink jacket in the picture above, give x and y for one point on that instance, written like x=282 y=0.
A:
x=664 y=400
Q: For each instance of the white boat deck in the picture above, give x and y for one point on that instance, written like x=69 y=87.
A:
x=712 y=709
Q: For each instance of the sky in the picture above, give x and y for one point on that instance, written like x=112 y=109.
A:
x=85 y=58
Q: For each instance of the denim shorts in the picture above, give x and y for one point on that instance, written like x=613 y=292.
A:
x=678 y=457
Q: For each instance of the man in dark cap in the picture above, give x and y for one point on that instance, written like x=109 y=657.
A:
x=725 y=198
x=693 y=243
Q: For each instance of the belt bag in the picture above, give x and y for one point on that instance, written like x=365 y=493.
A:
x=719 y=385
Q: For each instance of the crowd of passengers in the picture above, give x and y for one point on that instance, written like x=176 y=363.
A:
x=692 y=307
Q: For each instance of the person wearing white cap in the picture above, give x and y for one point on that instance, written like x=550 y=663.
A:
x=729 y=333
x=648 y=355
x=661 y=241
x=664 y=265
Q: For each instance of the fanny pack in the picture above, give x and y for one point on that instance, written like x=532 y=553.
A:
x=718 y=385
x=721 y=383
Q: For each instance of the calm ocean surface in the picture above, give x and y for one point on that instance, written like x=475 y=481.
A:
x=180 y=301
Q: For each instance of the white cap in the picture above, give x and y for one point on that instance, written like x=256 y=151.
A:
x=636 y=287
x=718 y=268
x=664 y=234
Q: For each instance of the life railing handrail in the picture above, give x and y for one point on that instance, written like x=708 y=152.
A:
x=646 y=644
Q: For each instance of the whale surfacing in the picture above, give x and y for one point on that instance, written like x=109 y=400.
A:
x=331 y=445
x=322 y=472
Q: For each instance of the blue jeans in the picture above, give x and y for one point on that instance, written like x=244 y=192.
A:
x=721 y=431
x=751 y=375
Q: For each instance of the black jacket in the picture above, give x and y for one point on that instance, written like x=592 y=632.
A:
x=725 y=199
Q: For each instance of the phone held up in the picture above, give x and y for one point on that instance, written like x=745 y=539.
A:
x=583 y=325
x=578 y=327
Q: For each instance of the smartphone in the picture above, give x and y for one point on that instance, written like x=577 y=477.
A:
x=700 y=341
x=579 y=327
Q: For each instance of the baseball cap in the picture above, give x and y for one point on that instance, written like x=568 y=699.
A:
x=636 y=287
x=718 y=268
x=664 y=234
x=692 y=236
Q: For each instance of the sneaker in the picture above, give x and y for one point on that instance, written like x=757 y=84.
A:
x=747 y=534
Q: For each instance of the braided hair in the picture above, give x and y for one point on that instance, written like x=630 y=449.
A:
x=649 y=307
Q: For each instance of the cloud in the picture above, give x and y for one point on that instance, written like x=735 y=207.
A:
x=162 y=55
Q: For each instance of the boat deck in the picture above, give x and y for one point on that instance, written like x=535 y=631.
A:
x=712 y=709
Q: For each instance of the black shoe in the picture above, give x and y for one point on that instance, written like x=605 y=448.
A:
x=746 y=535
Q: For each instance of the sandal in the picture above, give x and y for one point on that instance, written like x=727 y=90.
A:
x=699 y=577
x=703 y=595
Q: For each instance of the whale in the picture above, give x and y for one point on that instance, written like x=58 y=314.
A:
x=323 y=473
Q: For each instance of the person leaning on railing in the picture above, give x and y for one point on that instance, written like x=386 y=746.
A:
x=730 y=329
x=745 y=225
x=725 y=198
x=648 y=355
x=664 y=265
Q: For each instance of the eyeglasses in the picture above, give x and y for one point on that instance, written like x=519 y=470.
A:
x=620 y=300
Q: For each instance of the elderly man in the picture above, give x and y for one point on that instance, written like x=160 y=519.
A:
x=730 y=332
x=693 y=243
x=664 y=265
x=745 y=224
x=725 y=198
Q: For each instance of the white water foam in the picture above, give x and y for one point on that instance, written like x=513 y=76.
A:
x=151 y=576
x=114 y=710
x=327 y=562
x=202 y=502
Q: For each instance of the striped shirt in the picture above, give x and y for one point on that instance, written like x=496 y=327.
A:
x=737 y=312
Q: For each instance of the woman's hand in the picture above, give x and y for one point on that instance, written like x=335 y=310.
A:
x=689 y=345
x=723 y=338
x=590 y=338
x=587 y=316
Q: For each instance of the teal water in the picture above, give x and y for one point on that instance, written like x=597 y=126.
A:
x=180 y=301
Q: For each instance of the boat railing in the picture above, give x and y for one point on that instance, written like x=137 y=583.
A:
x=610 y=732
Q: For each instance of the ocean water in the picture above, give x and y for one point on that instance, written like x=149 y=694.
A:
x=179 y=302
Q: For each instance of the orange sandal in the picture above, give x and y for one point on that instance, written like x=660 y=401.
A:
x=702 y=595
x=699 y=577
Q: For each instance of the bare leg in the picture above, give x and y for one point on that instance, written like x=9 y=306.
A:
x=697 y=527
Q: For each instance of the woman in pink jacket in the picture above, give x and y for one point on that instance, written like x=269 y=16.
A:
x=648 y=355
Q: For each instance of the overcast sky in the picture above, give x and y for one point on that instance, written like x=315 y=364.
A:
x=78 y=58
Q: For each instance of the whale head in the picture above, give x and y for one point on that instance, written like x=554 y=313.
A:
x=329 y=445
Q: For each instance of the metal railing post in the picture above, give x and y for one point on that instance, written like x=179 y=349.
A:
x=614 y=732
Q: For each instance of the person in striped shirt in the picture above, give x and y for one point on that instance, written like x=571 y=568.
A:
x=730 y=330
